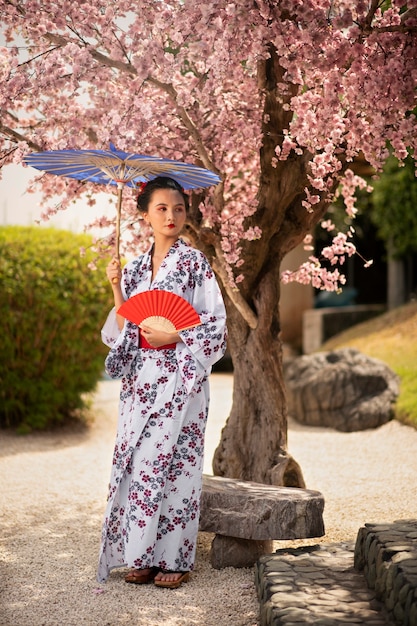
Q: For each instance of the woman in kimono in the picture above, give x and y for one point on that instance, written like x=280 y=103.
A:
x=152 y=515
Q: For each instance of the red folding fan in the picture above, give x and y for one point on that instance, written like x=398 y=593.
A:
x=160 y=310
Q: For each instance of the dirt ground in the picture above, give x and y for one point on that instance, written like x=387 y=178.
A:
x=53 y=491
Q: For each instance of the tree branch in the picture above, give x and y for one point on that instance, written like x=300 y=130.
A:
x=187 y=121
x=367 y=27
x=59 y=40
x=408 y=14
x=165 y=87
x=19 y=137
x=37 y=56
x=219 y=265
x=375 y=4
x=398 y=28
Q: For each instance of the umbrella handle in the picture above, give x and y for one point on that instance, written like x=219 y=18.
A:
x=118 y=214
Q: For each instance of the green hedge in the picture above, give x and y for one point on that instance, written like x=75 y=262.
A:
x=52 y=307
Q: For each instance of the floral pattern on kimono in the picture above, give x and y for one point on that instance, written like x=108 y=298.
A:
x=153 y=503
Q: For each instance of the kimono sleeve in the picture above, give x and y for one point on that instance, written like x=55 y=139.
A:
x=123 y=344
x=110 y=331
x=205 y=344
x=124 y=354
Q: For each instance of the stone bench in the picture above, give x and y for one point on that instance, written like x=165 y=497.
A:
x=247 y=517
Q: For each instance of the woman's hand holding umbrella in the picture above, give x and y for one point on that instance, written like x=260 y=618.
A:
x=114 y=271
x=114 y=274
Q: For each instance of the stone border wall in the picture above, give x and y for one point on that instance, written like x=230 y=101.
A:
x=321 y=324
x=387 y=555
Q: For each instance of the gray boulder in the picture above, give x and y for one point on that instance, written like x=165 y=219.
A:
x=344 y=389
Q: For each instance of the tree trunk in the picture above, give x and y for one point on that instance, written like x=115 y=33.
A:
x=253 y=445
x=254 y=439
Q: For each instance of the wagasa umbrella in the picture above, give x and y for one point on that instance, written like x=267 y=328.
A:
x=115 y=167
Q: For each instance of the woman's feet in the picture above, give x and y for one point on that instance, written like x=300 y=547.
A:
x=161 y=578
x=141 y=576
x=171 y=580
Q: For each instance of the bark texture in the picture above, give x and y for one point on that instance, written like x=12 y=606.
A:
x=253 y=444
x=254 y=440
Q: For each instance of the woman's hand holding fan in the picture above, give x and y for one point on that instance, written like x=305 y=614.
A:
x=160 y=310
x=157 y=339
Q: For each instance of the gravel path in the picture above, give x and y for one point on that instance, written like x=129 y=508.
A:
x=53 y=492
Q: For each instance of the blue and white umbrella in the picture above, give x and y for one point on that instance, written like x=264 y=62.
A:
x=115 y=167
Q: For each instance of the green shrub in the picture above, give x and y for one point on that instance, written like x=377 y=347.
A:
x=52 y=308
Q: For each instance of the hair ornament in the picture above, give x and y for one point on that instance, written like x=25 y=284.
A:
x=141 y=187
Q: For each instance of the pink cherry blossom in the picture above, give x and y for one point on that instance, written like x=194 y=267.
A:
x=185 y=80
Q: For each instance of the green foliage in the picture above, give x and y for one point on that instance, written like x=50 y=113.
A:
x=394 y=207
x=52 y=308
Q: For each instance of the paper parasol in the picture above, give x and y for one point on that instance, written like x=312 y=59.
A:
x=115 y=167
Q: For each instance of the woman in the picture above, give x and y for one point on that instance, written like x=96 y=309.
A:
x=152 y=515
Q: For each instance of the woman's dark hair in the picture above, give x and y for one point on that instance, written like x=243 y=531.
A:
x=161 y=182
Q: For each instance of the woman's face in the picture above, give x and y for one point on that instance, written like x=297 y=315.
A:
x=166 y=213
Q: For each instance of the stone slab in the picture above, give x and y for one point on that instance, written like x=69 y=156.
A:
x=248 y=510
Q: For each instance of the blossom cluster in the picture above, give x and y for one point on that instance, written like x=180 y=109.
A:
x=182 y=80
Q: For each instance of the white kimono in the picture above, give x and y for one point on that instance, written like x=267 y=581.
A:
x=153 y=504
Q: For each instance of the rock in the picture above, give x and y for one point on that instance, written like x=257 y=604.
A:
x=247 y=516
x=233 y=552
x=387 y=556
x=344 y=389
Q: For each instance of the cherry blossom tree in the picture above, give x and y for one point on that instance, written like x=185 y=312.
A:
x=279 y=97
